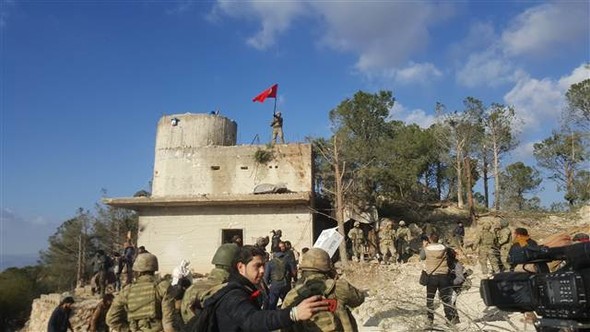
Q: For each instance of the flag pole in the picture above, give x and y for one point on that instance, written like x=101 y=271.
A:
x=274 y=111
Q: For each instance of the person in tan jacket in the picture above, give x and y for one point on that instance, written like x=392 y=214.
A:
x=435 y=256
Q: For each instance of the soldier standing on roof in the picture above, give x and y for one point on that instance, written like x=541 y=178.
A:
x=277 y=128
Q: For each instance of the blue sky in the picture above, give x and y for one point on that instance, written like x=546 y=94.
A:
x=84 y=83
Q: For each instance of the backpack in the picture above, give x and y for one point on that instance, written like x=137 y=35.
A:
x=206 y=320
x=279 y=269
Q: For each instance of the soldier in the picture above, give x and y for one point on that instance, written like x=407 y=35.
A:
x=192 y=300
x=277 y=274
x=403 y=236
x=357 y=237
x=145 y=305
x=459 y=234
x=277 y=128
x=485 y=245
x=319 y=278
x=386 y=239
x=236 y=307
x=503 y=241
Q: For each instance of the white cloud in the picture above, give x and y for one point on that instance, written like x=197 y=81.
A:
x=417 y=116
x=487 y=68
x=524 y=151
x=547 y=28
x=418 y=72
x=578 y=75
x=541 y=101
x=274 y=17
x=384 y=35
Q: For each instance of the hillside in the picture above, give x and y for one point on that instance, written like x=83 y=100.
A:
x=396 y=301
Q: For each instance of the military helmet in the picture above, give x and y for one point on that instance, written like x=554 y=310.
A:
x=356 y=223
x=225 y=254
x=402 y=223
x=316 y=259
x=145 y=262
x=504 y=222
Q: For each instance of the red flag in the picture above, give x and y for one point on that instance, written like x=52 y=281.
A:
x=268 y=93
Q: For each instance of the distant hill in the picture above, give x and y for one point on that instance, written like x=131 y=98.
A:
x=18 y=260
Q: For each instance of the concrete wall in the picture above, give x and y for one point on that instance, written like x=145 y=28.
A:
x=194 y=233
x=189 y=171
x=192 y=130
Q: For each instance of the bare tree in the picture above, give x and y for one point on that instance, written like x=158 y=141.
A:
x=499 y=121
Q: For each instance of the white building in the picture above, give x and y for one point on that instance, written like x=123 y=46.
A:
x=202 y=192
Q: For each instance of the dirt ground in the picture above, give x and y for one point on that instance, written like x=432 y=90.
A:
x=397 y=302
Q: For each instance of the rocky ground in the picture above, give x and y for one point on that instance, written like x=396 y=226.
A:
x=396 y=301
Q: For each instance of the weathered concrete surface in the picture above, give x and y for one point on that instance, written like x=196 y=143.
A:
x=222 y=170
x=194 y=233
x=193 y=130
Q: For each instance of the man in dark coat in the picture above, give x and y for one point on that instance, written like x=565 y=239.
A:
x=238 y=304
x=60 y=318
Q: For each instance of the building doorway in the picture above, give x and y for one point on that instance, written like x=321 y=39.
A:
x=228 y=234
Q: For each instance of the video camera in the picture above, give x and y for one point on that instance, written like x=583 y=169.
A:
x=561 y=298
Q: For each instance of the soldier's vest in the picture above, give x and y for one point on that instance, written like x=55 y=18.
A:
x=279 y=269
x=487 y=240
x=386 y=236
x=339 y=320
x=143 y=302
x=191 y=302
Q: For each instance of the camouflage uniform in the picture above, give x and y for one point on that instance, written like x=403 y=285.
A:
x=485 y=243
x=403 y=237
x=277 y=128
x=386 y=239
x=504 y=241
x=145 y=305
x=357 y=237
x=317 y=270
x=193 y=299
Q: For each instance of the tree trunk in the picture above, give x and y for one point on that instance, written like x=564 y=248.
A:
x=339 y=203
x=486 y=193
x=469 y=186
x=459 y=170
x=79 y=282
x=496 y=176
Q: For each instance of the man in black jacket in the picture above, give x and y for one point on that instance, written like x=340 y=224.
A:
x=60 y=318
x=238 y=304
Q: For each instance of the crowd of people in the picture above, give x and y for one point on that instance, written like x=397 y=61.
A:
x=251 y=289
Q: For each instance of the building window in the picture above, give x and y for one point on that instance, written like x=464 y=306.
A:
x=215 y=168
x=227 y=235
x=244 y=167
